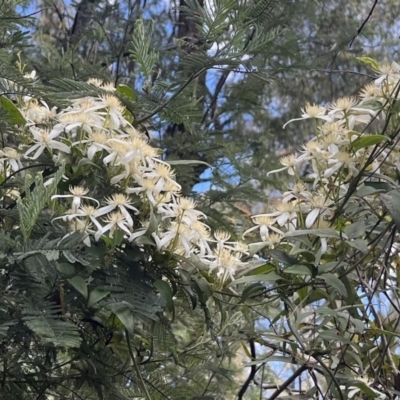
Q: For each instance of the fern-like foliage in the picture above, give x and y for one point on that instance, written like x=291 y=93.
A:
x=35 y=200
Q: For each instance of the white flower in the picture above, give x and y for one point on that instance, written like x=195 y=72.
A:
x=285 y=214
x=200 y=234
x=177 y=234
x=339 y=160
x=225 y=261
x=114 y=221
x=114 y=112
x=265 y=224
x=222 y=238
x=123 y=203
x=88 y=213
x=77 y=193
x=31 y=76
x=139 y=149
x=163 y=173
x=148 y=186
x=311 y=111
x=388 y=71
x=289 y=162
x=13 y=158
x=45 y=139
x=299 y=191
x=71 y=121
x=181 y=207
x=36 y=112
x=78 y=225
x=98 y=142
x=319 y=206
x=273 y=240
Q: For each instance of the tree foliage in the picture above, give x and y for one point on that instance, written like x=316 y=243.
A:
x=114 y=283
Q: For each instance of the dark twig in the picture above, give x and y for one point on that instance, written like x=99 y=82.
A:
x=359 y=30
x=253 y=371
x=288 y=381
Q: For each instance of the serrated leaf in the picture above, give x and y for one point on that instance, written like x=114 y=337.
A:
x=334 y=282
x=96 y=295
x=391 y=200
x=166 y=293
x=367 y=141
x=80 y=285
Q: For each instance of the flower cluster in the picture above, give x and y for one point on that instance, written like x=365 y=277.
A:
x=96 y=131
x=319 y=174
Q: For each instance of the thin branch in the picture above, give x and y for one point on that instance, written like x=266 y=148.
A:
x=359 y=30
x=287 y=383
x=253 y=371
x=161 y=106
x=136 y=366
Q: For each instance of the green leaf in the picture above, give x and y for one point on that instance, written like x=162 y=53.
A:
x=359 y=244
x=379 y=186
x=144 y=240
x=166 y=293
x=283 y=257
x=364 y=388
x=127 y=92
x=334 y=336
x=96 y=295
x=31 y=206
x=13 y=114
x=153 y=224
x=303 y=293
x=202 y=288
x=367 y=141
x=370 y=61
x=369 y=190
x=270 y=277
x=142 y=48
x=298 y=270
x=334 y=282
x=263 y=269
x=252 y=289
x=391 y=200
x=355 y=230
x=254 y=248
x=325 y=233
x=187 y=162
x=80 y=285
x=125 y=315
x=66 y=269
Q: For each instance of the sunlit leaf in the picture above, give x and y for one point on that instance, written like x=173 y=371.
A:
x=367 y=141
